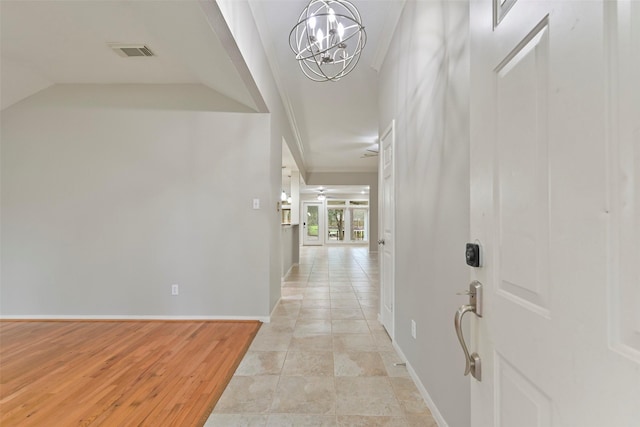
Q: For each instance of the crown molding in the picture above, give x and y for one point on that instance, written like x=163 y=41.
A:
x=267 y=44
x=387 y=35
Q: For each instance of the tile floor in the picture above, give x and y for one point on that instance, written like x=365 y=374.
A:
x=324 y=360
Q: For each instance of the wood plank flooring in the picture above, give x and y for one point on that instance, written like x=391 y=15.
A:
x=138 y=373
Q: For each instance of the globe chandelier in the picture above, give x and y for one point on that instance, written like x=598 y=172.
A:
x=328 y=39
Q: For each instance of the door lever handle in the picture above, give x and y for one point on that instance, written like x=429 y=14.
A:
x=472 y=361
x=475 y=297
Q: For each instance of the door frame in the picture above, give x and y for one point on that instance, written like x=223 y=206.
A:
x=387 y=323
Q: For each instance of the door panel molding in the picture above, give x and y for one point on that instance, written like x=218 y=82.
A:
x=500 y=10
x=519 y=402
x=521 y=175
x=623 y=49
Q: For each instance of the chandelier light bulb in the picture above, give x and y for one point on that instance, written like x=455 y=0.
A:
x=331 y=56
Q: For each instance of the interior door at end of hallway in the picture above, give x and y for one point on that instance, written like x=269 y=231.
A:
x=386 y=243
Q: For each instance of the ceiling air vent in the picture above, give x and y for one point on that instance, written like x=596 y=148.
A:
x=131 y=50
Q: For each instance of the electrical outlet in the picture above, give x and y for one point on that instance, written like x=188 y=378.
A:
x=175 y=290
x=413 y=329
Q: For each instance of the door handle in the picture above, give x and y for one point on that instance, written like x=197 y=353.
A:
x=381 y=242
x=473 y=365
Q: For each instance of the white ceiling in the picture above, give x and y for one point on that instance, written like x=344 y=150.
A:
x=62 y=41
x=336 y=121
x=66 y=41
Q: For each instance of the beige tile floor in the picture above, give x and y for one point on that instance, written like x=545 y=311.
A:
x=324 y=360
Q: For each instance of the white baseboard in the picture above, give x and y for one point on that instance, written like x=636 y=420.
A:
x=295 y=264
x=129 y=317
x=274 y=309
x=423 y=391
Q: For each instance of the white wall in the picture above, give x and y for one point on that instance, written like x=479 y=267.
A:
x=424 y=87
x=240 y=21
x=290 y=248
x=110 y=194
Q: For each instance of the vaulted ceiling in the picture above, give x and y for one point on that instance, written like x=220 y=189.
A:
x=66 y=42
x=57 y=42
x=336 y=121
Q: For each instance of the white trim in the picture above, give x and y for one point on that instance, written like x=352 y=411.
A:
x=218 y=23
x=276 y=73
x=274 y=309
x=295 y=264
x=126 y=317
x=423 y=391
x=391 y=23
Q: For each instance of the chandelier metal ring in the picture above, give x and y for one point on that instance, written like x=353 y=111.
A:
x=328 y=39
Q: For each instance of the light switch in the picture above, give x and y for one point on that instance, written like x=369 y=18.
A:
x=256 y=203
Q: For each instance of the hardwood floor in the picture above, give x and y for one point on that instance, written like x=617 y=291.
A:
x=151 y=373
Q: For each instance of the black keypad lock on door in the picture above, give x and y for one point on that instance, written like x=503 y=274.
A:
x=473 y=255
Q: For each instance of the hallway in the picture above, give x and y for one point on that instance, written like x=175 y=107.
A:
x=324 y=360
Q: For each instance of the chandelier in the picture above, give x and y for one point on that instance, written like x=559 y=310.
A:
x=328 y=39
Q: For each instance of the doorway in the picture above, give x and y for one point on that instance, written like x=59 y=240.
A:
x=386 y=242
x=312 y=230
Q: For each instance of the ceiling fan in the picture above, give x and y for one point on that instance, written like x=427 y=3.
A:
x=369 y=153
x=322 y=195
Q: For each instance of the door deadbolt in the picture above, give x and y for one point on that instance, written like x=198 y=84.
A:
x=472 y=255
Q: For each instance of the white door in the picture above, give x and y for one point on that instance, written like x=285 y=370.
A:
x=559 y=339
x=387 y=220
x=312 y=231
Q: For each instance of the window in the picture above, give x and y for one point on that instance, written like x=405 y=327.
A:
x=359 y=224
x=347 y=221
x=335 y=224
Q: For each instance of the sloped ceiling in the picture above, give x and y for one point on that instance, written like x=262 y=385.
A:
x=66 y=42
x=51 y=42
